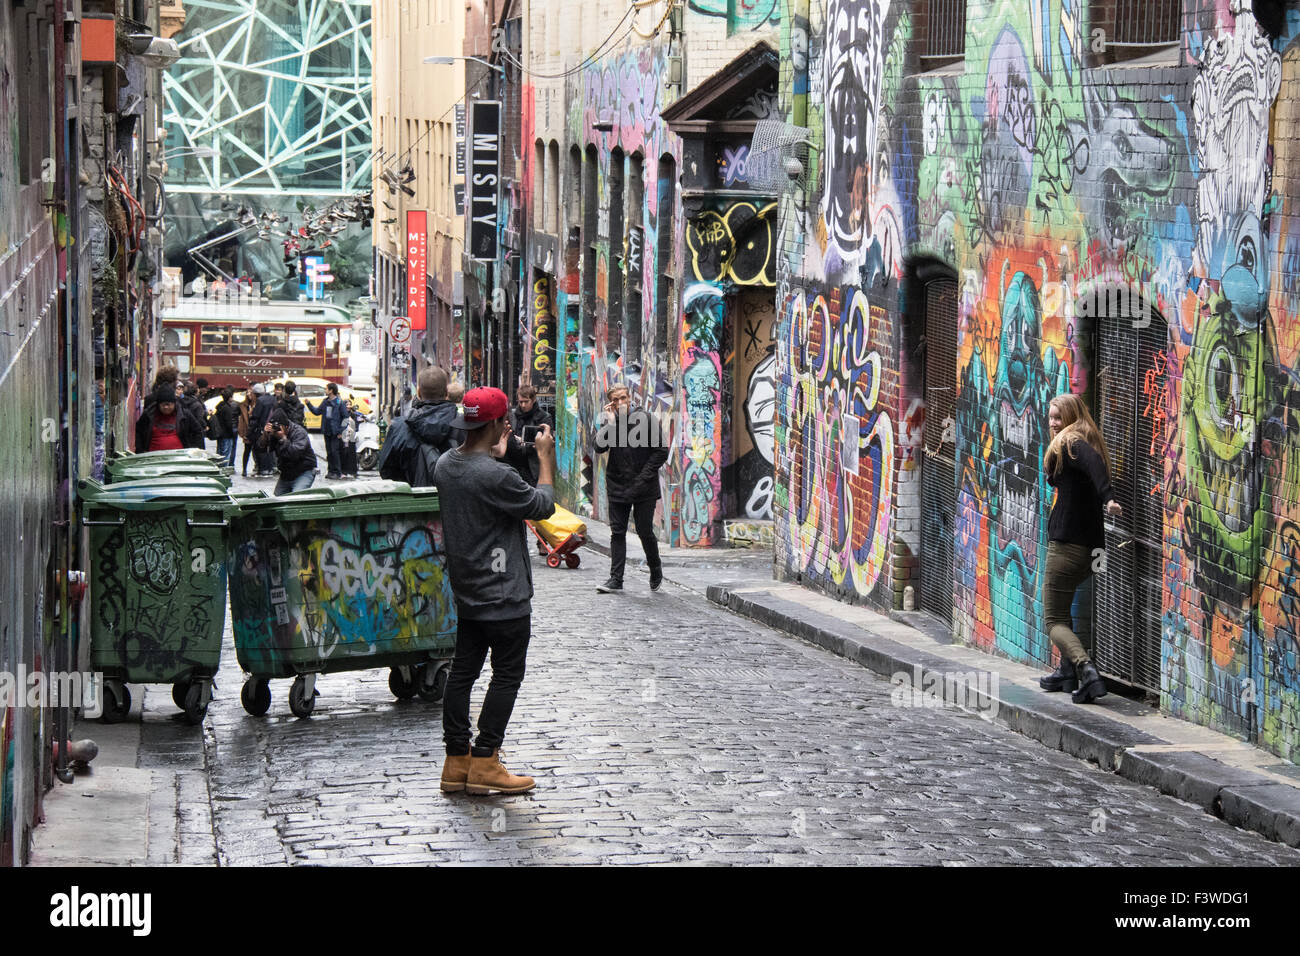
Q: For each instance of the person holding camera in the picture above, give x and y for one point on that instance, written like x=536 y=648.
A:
x=637 y=451
x=291 y=445
x=484 y=503
x=526 y=421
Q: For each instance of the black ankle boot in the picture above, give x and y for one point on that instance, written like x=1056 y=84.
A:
x=1091 y=685
x=1063 y=678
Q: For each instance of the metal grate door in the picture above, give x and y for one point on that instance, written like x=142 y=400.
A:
x=1132 y=389
x=939 y=462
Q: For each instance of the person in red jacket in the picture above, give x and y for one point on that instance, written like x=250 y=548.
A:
x=165 y=425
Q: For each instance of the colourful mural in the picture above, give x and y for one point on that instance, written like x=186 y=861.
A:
x=1043 y=179
x=341 y=588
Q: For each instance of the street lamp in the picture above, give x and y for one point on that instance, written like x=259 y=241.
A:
x=448 y=60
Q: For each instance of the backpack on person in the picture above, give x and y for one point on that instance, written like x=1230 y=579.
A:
x=405 y=458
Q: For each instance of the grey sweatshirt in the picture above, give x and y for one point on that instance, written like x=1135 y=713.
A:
x=483 y=503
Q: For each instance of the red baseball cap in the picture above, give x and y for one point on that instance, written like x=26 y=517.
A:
x=481 y=406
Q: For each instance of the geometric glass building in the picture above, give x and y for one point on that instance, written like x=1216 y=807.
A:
x=267 y=110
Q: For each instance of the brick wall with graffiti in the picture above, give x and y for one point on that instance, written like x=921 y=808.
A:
x=1046 y=178
x=31 y=358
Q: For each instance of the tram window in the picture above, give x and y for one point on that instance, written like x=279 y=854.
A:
x=273 y=340
x=214 y=340
x=331 y=341
x=182 y=363
x=243 y=341
x=302 y=341
x=175 y=338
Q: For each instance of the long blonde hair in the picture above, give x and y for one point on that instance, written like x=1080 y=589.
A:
x=1076 y=423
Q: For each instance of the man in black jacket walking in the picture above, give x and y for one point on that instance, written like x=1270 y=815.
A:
x=637 y=451
x=258 y=419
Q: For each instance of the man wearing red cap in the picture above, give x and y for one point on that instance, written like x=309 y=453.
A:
x=484 y=503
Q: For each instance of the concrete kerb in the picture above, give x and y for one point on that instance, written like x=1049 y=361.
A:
x=1239 y=797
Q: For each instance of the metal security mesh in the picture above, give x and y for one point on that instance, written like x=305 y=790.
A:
x=1132 y=391
x=773 y=144
x=1146 y=22
x=939 y=463
x=947 y=29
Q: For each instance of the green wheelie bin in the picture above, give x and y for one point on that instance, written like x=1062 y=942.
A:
x=346 y=577
x=157 y=587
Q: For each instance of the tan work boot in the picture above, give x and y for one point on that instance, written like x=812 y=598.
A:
x=455 y=771
x=487 y=775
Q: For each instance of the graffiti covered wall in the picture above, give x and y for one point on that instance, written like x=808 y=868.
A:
x=1042 y=177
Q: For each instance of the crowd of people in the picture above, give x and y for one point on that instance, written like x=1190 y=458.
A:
x=269 y=423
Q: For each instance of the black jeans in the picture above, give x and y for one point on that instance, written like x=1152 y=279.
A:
x=332 y=445
x=644 y=514
x=508 y=642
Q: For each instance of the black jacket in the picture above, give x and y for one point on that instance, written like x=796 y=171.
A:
x=522 y=457
x=196 y=410
x=261 y=413
x=637 y=450
x=225 y=420
x=293 y=407
x=188 y=429
x=293 y=452
x=415 y=442
x=1082 y=491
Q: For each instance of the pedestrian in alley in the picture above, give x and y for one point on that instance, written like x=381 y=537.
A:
x=291 y=445
x=527 y=414
x=164 y=425
x=348 y=441
x=188 y=398
x=1077 y=465
x=223 y=425
x=637 y=451
x=484 y=504
x=292 y=404
x=330 y=411
x=263 y=408
x=246 y=435
x=416 y=441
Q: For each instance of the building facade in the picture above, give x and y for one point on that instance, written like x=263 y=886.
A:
x=80 y=271
x=1002 y=202
x=640 y=269
x=419 y=120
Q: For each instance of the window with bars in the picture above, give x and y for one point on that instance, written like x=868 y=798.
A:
x=940 y=31
x=1145 y=22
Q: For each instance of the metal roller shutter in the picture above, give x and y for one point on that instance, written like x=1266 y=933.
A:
x=939 y=465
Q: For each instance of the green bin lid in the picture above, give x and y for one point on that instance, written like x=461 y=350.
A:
x=158 y=494
x=345 y=500
x=161 y=469
x=177 y=454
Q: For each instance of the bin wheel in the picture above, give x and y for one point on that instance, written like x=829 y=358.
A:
x=553 y=560
x=255 y=695
x=299 y=702
x=433 y=681
x=179 y=690
x=403 y=688
x=195 y=709
x=117 y=702
x=572 y=560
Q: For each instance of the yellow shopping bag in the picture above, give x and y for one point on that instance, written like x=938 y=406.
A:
x=561 y=526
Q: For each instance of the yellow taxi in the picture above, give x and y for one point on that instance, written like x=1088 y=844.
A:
x=309 y=390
